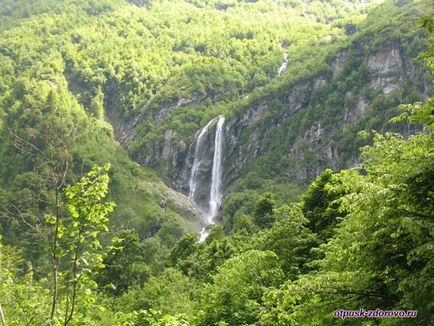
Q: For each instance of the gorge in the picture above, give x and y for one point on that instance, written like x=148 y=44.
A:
x=215 y=162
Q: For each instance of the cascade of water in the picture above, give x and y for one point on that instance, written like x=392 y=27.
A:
x=215 y=195
x=200 y=137
x=284 y=65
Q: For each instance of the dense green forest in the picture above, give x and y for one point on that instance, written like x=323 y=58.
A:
x=328 y=165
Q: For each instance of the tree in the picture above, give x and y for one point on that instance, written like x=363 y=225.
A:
x=78 y=247
x=171 y=292
x=19 y=291
x=381 y=253
x=96 y=107
x=124 y=265
x=40 y=139
x=183 y=248
x=290 y=239
x=263 y=213
x=320 y=204
x=236 y=292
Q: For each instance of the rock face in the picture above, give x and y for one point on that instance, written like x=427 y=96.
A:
x=357 y=112
x=252 y=132
x=384 y=67
x=338 y=63
x=123 y=128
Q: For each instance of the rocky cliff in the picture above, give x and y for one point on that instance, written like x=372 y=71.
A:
x=258 y=130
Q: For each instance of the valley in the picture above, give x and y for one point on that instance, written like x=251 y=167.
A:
x=215 y=162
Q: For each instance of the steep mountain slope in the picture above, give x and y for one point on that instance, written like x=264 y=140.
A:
x=295 y=88
x=305 y=120
x=209 y=109
x=131 y=65
x=48 y=138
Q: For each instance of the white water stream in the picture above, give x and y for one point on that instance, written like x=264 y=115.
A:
x=215 y=195
x=284 y=65
x=200 y=141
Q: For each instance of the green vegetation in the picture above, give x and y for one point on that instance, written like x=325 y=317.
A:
x=86 y=85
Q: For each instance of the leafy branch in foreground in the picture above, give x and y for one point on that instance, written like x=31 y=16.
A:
x=78 y=248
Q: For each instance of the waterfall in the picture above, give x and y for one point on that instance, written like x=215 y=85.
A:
x=215 y=195
x=197 y=158
x=284 y=65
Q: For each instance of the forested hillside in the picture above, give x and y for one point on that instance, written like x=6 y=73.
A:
x=219 y=162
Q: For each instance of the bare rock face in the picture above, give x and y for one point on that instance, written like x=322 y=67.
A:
x=315 y=133
x=319 y=82
x=386 y=61
x=123 y=127
x=384 y=67
x=362 y=107
x=358 y=111
x=338 y=63
x=140 y=3
x=299 y=96
x=168 y=148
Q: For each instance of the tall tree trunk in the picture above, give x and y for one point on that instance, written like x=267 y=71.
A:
x=2 y=317
x=68 y=316
x=55 y=258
